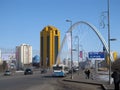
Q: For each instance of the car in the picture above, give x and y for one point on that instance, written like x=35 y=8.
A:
x=43 y=71
x=7 y=73
x=28 y=71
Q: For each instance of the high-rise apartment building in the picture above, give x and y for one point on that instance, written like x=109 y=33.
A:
x=49 y=46
x=0 y=58
x=23 y=55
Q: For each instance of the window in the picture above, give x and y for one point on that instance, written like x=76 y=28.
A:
x=56 y=32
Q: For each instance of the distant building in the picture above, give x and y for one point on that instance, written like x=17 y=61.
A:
x=49 y=46
x=0 y=58
x=36 y=61
x=23 y=56
x=0 y=54
x=67 y=62
x=114 y=55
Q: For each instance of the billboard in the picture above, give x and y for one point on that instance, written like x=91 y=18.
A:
x=81 y=54
x=96 y=55
x=8 y=56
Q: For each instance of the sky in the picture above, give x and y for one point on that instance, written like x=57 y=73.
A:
x=22 y=20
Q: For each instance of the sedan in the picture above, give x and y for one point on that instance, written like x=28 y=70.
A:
x=43 y=71
x=7 y=73
x=28 y=71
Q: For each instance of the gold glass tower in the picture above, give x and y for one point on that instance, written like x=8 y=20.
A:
x=49 y=46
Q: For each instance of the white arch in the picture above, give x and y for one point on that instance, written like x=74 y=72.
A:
x=96 y=32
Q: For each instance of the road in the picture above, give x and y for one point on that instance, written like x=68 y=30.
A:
x=39 y=81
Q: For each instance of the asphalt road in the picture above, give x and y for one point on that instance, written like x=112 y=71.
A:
x=39 y=81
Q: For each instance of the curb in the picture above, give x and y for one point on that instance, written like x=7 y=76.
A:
x=93 y=83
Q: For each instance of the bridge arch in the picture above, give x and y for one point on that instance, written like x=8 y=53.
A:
x=93 y=28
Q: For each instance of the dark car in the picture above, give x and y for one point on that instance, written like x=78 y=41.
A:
x=28 y=71
x=7 y=73
x=43 y=71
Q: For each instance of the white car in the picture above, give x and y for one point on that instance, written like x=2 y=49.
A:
x=7 y=73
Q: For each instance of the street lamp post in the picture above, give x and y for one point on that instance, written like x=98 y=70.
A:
x=78 y=55
x=108 y=13
x=71 y=49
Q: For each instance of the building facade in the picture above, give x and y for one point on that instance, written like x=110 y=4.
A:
x=0 y=58
x=23 y=56
x=49 y=46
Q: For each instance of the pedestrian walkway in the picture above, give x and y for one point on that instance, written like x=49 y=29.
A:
x=94 y=80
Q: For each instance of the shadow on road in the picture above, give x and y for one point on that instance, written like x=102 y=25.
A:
x=50 y=76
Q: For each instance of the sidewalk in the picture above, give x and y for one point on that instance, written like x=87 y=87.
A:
x=80 y=78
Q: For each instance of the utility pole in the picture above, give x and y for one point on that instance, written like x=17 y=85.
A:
x=109 y=59
x=71 y=49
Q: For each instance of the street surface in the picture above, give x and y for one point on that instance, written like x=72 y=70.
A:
x=39 y=81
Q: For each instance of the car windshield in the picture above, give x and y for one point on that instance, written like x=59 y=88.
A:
x=7 y=71
x=57 y=68
x=28 y=69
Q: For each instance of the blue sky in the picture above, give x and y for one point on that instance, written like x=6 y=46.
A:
x=22 y=20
